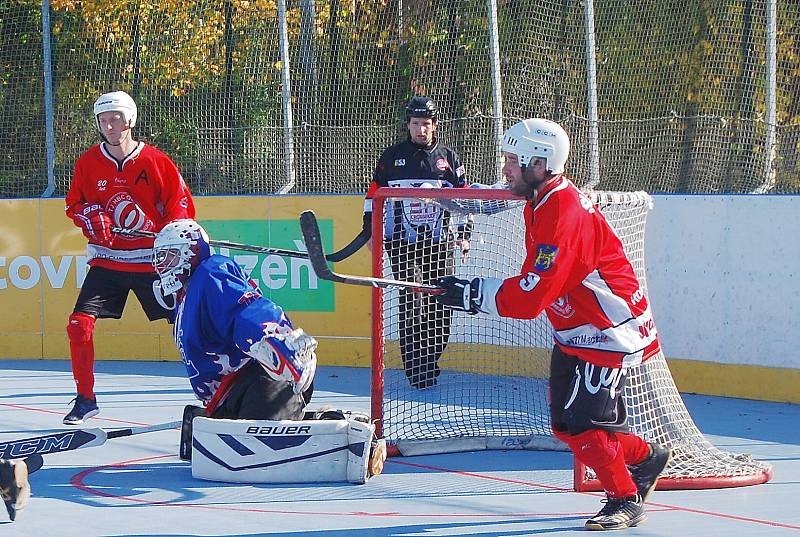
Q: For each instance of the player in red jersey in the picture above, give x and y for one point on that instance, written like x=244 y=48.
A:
x=578 y=273
x=127 y=183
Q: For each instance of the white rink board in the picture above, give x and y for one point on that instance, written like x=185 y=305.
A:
x=722 y=272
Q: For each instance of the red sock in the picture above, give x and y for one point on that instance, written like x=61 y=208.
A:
x=636 y=450
x=83 y=367
x=615 y=477
x=81 y=348
x=602 y=452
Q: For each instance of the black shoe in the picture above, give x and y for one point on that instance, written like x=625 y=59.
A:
x=83 y=410
x=423 y=378
x=645 y=474
x=14 y=486
x=424 y=382
x=618 y=514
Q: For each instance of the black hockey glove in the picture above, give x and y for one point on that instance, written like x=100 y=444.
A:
x=463 y=295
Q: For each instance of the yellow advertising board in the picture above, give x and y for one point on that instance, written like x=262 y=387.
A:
x=43 y=263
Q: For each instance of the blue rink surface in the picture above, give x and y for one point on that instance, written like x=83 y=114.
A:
x=137 y=486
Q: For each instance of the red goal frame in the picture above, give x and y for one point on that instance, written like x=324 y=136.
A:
x=582 y=480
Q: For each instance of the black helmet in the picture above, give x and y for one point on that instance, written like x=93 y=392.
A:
x=420 y=106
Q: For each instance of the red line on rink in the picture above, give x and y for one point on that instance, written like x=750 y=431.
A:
x=651 y=504
x=78 y=482
x=61 y=413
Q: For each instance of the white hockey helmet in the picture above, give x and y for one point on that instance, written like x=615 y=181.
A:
x=538 y=137
x=179 y=247
x=116 y=101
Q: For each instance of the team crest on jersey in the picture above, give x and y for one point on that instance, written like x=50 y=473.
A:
x=562 y=307
x=126 y=213
x=545 y=257
x=442 y=164
x=400 y=162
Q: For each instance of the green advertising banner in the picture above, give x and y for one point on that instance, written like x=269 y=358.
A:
x=289 y=281
x=41 y=274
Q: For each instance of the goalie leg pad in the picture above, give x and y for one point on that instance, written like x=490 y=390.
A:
x=286 y=451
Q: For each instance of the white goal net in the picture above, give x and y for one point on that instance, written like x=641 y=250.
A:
x=447 y=381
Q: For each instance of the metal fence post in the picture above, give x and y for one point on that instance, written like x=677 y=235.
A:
x=591 y=96
x=286 y=96
x=497 y=88
x=770 y=98
x=50 y=139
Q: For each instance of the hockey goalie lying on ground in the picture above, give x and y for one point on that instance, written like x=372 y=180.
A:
x=254 y=373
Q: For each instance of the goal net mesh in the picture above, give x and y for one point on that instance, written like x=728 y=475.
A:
x=454 y=382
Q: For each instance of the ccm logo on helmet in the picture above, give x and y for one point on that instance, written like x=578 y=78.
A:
x=293 y=429
x=545 y=133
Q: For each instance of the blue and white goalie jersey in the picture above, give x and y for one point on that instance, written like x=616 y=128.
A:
x=222 y=314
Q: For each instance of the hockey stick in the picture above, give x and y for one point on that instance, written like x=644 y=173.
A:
x=359 y=241
x=69 y=440
x=311 y=234
x=355 y=245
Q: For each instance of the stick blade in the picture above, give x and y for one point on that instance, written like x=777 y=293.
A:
x=52 y=443
x=313 y=240
x=34 y=462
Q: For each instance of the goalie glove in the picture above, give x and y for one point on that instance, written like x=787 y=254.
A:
x=94 y=221
x=288 y=357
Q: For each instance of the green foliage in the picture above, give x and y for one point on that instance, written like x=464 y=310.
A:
x=680 y=85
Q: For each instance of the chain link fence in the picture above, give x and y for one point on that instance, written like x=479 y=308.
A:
x=268 y=96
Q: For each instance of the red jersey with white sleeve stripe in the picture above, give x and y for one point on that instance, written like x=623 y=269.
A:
x=144 y=192
x=577 y=271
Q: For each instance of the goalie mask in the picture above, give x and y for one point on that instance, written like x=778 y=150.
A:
x=538 y=138
x=116 y=101
x=179 y=247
